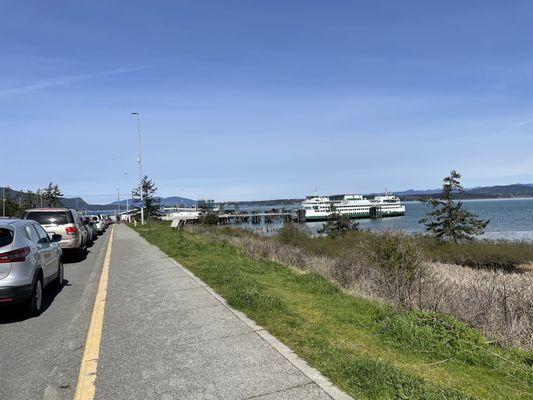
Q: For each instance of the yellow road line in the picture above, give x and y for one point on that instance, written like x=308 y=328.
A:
x=85 y=388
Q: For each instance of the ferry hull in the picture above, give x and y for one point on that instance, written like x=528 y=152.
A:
x=355 y=216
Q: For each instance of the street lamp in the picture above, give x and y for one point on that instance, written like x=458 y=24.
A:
x=139 y=161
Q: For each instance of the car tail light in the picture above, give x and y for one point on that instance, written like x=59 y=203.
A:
x=71 y=230
x=17 y=255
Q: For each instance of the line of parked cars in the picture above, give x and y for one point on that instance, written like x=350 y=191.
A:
x=32 y=250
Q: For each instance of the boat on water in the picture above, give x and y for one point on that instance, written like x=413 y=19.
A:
x=320 y=208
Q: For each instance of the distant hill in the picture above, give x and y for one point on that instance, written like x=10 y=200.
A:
x=176 y=200
x=484 y=192
x=75 y=202
x=166 y=201
x=517 y=190
x=413 y=192
x=273 y=202
x=80 y=204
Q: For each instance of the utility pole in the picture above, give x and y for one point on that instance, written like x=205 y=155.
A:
x=139 y=161
x=3 y=201
x=118 y=207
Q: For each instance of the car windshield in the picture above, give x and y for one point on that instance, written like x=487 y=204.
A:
x=49 y=217
x=6 y=237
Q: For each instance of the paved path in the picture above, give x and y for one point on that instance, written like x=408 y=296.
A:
x=165 y=335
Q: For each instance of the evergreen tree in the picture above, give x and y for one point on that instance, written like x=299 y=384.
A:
x=338 y=225
x=448 y=220
x=152 y=204
x=30 y=200
x=52 y=196
x=10 y=206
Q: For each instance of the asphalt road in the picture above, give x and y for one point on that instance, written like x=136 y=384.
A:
x=40 y=357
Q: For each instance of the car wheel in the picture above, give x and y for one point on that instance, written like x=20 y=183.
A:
x=60 y=275
x=79 y=253
x=36 y=301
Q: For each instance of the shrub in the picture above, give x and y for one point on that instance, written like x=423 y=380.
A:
x=208 y=217
x=402 y=266
x=290 y=234
x=338 y=225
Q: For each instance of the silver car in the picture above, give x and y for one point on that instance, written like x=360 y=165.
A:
x=100 y=225
x=64 y=222
x=29 y=261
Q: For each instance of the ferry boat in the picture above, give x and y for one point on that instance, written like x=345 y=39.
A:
x=318 y=208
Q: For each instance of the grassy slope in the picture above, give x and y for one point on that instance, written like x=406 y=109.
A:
x=364 y=347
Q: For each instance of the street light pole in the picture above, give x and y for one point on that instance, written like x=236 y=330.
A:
x=139 y=161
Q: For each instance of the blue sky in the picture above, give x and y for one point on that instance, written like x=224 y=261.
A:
x=265 y=99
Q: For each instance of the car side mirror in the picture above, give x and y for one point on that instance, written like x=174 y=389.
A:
x=56 y=237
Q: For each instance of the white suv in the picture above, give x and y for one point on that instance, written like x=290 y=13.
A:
x=64 y=222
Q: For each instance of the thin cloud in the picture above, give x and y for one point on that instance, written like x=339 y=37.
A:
x=522 y=123
x=65 y=81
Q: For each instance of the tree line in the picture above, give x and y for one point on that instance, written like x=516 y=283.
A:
x=16 y=202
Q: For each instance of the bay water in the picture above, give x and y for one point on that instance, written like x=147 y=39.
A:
x=510 y=219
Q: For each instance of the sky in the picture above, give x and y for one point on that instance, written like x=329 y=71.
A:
x=247 y=100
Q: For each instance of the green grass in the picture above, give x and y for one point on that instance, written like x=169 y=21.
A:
x=368 y=349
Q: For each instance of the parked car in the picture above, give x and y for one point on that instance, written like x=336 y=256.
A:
x=100 y=225
x=29 y=261
x=64 y=222
x=106 y=220
x=88 y=221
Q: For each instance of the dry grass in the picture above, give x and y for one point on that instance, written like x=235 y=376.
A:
x=497 y=303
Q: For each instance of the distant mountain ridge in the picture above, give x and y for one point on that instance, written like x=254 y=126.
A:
x=80 y=204
x=166 y=201
x=482 y=192
x=414 y=192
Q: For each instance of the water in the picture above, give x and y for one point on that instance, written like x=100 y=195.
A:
x=510 y=219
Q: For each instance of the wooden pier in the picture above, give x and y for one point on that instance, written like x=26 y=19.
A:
x=257 y=217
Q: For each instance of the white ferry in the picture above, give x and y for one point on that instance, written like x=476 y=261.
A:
x=319 y=208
